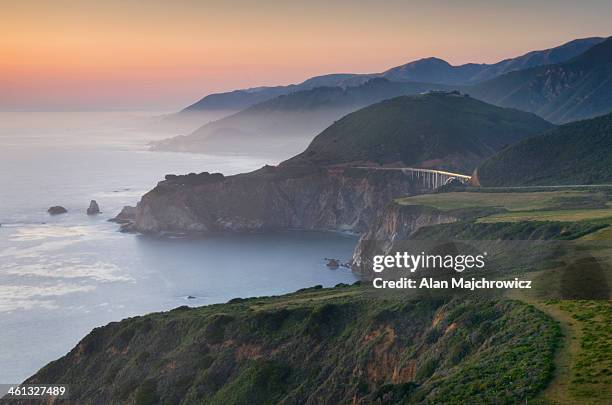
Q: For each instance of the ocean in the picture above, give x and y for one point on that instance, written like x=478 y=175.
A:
x=61 y=276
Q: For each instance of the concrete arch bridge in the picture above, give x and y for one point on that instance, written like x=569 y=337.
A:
x=428 y=178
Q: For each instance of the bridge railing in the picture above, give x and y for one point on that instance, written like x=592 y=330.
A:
x=440 y=172
x=431 y=178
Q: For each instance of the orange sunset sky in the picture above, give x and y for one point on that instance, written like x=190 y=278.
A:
x=163 y=55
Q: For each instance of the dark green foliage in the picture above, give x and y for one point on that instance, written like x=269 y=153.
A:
x=214 y=330
x=447 y=130
x=427 y=369
x=585 y=278
x=526 y=230
x=147 y=394
x=324 y=346
x=264 y=382
x=576 y=153
x=395 y=393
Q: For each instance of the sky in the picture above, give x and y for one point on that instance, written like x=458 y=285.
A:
x=164 y=55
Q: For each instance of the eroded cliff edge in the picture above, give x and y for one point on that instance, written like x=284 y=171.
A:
x=315 y=346
x=396 y=223
x=271 y=198
x=326 y=187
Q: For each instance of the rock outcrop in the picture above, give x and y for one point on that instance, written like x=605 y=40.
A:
x=127 y=215
x=396 y=223
x=333 y=263
x=326 y=187
x=93 y=208
x=57 y=210
x=271 y=198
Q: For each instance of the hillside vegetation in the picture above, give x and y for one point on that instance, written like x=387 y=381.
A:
x=573 y=211
x=317 y=346
x=576 y=153
x=437 y=130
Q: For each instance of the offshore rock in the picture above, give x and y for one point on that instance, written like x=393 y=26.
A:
x=93 y=209
x=332 y=263
x=57 y=210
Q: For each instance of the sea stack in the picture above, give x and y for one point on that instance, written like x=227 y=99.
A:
x=93 y=208
x=56 y=210
x=333 y=263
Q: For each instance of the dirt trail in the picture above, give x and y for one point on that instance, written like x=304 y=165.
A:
x=558 y=391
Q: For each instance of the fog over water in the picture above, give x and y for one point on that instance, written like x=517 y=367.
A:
x=62 y=276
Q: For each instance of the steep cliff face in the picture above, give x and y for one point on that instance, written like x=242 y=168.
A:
x=396 y=222
x=316 y=346
x=272 y=198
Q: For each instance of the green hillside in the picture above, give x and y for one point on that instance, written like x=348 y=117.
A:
x=576 y=153
x=323 y=346
x=438 y=130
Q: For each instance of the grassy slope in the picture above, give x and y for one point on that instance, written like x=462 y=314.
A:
x=327 y=346
x=591 y=373
x=546 y=206
x=584 y=362
x=511 y=201
x=554 y=215
x=441 y=130
x=576 y=153
x=340 y=345
x=583 y=366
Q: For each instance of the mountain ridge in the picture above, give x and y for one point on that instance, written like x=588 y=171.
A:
x=576 y=89
x=287 y=123
x=439 y=130
x=469 y=73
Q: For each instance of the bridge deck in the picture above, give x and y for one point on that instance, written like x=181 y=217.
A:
x=415 y=169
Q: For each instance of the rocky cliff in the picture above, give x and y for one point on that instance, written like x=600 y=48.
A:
x=316 y=346
x=396 y=222
x=272 y=198
x=317 y=189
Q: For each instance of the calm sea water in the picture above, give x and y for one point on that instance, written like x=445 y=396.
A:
x=62 y=276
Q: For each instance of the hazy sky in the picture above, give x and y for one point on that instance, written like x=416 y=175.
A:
x=75 y=55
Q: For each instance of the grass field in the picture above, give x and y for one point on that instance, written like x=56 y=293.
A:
x=592 y=371
x=602 y=234
x=520 y=201
x=583 y=364
x=542 y=206
x=604 y=215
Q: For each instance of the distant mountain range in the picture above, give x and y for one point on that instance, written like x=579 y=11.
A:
x=286 y=124
x=427 y=70
x=576 y=89
x=579 y=87
x=240 y=99
x=575 y=153
x=442 y=130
